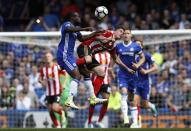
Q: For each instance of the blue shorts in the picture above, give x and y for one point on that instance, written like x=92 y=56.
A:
x=143 y=90
x=68 y=63
x=129 y=83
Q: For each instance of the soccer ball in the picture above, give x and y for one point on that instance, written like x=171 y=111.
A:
x=101 y=12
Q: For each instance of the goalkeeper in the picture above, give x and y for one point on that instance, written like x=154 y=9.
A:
x=65 y=80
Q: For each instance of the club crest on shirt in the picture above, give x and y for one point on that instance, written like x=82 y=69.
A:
x=50 y=76
x=131 y=49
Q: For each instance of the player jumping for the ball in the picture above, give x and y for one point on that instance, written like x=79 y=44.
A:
x=98 y=44
x=65 y=54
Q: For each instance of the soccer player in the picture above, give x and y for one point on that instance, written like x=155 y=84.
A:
x=103 y=58
x=97 y=44
x=143 y=85
x=65 y=80
x=50 y=78
x=65 y=54
x=127 y=51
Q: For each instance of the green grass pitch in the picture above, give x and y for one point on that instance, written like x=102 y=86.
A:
x=97 y=129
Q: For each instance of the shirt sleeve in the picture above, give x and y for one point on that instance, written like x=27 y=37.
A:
x=89 y=41
x=113 y=51
x=139 y=50
x=150 y=59
x=67 y=25
x=79 y=35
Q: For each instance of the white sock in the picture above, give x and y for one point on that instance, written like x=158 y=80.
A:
x=73 y=87
x=152 y=106
x=134 y=114
x=89 y=85
x=124 y=106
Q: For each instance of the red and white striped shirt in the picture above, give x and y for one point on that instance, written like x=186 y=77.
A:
x=97 y=46
x=104 y=59
x=52 y=77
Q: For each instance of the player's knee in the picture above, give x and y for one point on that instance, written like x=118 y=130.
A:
x=55 y=106
x=134 y=103
x=88 y=59
x=100 y=71
x=77 y=77
x=145 y=104
x=75 y=74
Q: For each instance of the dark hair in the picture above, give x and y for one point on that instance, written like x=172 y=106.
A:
x=127 y=27
x=139 y=41
x=119 y=27
x=70 y=15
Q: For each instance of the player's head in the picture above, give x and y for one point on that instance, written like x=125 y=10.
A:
x=74 y=17
x=119 y=30
x=48 y=57
x=127 y=35
x=140 y=42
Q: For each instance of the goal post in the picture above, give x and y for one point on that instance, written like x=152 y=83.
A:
x=148 y=36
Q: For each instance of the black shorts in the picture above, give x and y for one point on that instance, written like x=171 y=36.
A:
x=105 y=88
x=81 y=53
x=52 y=99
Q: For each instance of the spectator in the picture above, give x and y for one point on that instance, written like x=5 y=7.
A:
x=171 y=61
x=9 y=72
x=81 y=98
x=114 y=18
x=7 y=100
x=34 y=79
x=50 y=19
x=1 y=23
x=69 y=6
x=37 y=25
x=17 y=85
x=157 y=98
x=178 y=99
x=26 y=99
x=184 y=23
x=166 y=21
x=164 y=83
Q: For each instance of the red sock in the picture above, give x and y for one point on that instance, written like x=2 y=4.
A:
x=102 y=112
x=139 y=110
x=91 y=112
x=97 y=84
x=81 y=61
x=53 y=118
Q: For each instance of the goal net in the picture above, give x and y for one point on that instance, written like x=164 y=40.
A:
x=21 y=56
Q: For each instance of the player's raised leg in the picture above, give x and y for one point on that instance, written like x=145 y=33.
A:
x=65 y=54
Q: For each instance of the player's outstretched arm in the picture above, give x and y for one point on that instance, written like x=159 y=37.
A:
x=77 y=29
x=85 y=37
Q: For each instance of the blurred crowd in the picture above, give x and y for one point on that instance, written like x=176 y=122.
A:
x=41 y=15
x=20 y=64
x=20 y=89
